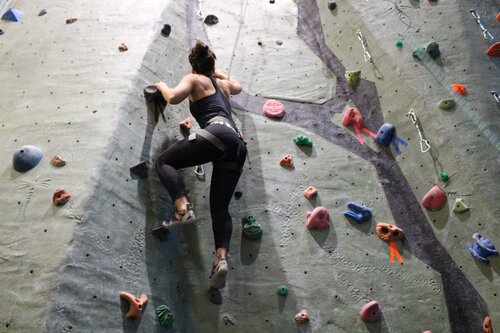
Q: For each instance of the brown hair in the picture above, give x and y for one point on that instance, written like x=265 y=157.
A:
x=202 y=59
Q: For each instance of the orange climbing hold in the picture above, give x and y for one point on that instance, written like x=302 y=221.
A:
x=494 y=50
x=287 y=161
x=135 y=304
x=186 y=124
x=487 y=328
x=459 y=88
x=498 y=17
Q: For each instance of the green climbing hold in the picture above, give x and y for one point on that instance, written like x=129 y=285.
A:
x=353 y=78
x=165 y=316
x=251 y=228
x=302 y=140
x=418 y=53
x=444 y=176
x=446 y=104
x=399 y=43
x=282 y=290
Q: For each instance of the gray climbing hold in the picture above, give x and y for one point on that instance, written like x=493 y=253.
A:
x=446 y=104
x=432 y=49
x=42 y=12
x=211 y=20
x=353 y=78
x=460 y=207
x=332 y=4
x=26 y=158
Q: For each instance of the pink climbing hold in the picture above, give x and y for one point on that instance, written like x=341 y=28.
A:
x=302 y=317
x=273 y=109
x=352 y=117
x=136 y=304
x=435 y=199
x=318 y=218
x=186 y=124
x=370 y=312
x=427 y=332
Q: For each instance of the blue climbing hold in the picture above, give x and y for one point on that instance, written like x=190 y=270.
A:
x=13 y=15
x=26 y=158
x=482 y=249
x=358 y=213
x=385 y=134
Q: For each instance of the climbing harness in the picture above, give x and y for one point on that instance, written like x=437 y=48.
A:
x=486 y=33
x=424 y=144
x=364 y=45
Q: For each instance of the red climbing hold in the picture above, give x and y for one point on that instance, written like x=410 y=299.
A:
x=435 y=199
x=60 y=197
x=498 y=17
x=287 y=161
x=273 y=109
x=353 y=117
x=318 y=218
x=136 y=304
x=370 y=312
x=459 y=88
x=494 y=50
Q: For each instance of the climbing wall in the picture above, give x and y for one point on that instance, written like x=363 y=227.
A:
x=64 y=266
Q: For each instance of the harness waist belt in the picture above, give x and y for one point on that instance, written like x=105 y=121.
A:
x=212 y=139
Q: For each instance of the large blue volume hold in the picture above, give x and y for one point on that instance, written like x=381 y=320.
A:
x=482 y=249
x=358 y=213
x=26 y=158
x=385 y=134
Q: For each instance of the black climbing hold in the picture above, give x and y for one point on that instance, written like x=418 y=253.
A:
x=1 y=32
x=155 y=102
x=432 y=49
x=140 y=170
x=166 y=30
x=214 y=296
x=211 y=20
x=332 y=5
x=237 y=195
x=42 y=12
x=259 y=42
x=271 y=1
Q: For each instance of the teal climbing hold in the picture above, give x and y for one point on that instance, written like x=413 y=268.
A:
x=251 y=228
x=399 y=43
x=444 y=176
x=446 y=104
x=282 y=290
x=165 y=316
x=302 y=140
x=353 y=78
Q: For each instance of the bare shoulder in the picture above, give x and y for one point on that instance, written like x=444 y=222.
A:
x=224 y=85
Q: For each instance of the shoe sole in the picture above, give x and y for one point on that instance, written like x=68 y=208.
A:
x=175 y=224
x=218 y=280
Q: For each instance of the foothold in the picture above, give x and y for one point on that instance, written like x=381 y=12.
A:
x=60 y=197
x=332 y=4
x=494 y=50
x=282 y=290
x=287 y=161
x=135 y=304
x=71 y=20
x=498 y=17
x=371 y=312
x=140 y=170
x=353 y=78
x=211 y=20
x=165 y=31
x=389 y=233
x=418 y=53
x=271 y=1
x=42 y=12
x=358 y=213
x=237 y=195
x=279 y=42
x=165 y=316
x=435 y=199
x=251 y=228
x=460 y=207
x=302 y=140
x=487 y=326
x=385 y=134
x=302 y=317
x=399 y=43
x=186 y=124
x=432 y=49
x=13 y=15
x=123 y=47
x=318 y=219
x=228 y=319
x=26 y=158
x=259 y=42
x=459 y=89
x=57 y=161
x=446 y=104
x=482 y=249
x=273 y=109
x=1 y=32
x=310 y=192
x=444 y=176
x=495 y=95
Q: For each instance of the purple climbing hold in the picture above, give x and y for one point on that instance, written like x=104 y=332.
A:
x=13 y=15
x=482 y=249
x=371 y=312
x=26 y=158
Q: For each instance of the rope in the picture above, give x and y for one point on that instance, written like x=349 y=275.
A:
x=243 y=11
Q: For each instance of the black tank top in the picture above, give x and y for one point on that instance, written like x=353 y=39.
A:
x=210 y=106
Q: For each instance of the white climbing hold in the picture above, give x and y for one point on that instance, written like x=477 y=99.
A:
x=460 y=207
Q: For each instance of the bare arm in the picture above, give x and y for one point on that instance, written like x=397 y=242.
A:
x=234 y=86
x=179 y=93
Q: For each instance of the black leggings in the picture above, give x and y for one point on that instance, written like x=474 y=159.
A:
x=188 y=153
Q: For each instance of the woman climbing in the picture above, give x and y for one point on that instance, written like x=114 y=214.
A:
x=218 y=141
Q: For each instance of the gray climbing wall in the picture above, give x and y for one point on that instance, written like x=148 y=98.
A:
x=72 y=93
